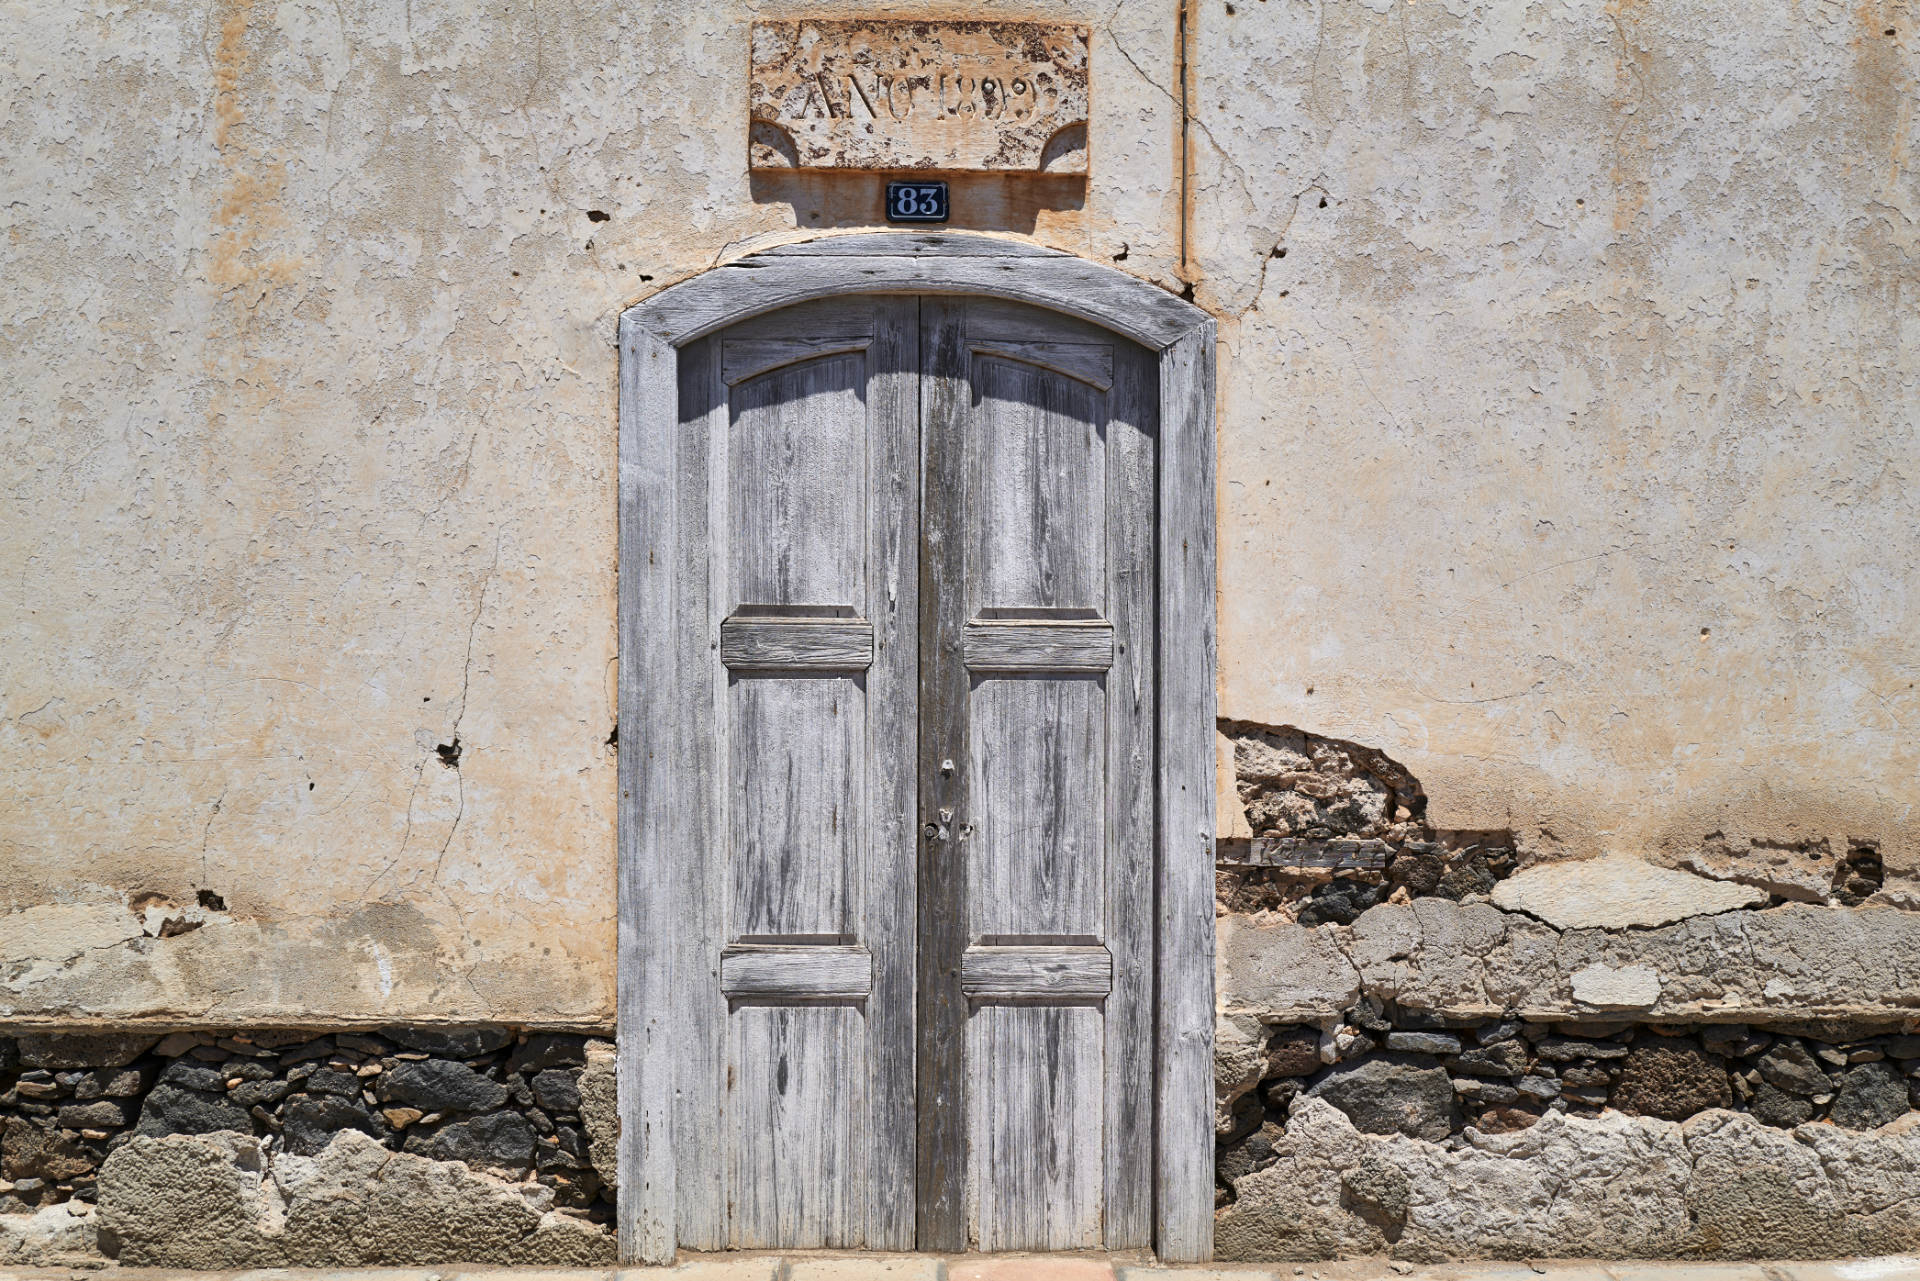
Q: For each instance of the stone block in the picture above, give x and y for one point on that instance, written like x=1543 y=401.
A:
x=1618 y=894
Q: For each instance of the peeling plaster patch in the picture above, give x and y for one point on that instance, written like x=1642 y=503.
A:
x=1618 y=894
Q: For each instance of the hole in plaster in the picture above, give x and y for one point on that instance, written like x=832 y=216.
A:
x=1323 y=202
x=1279 y=251
x=613 y=739
x=1186 y=291
x=1122 y=255
x=450 y=753
x=211 y=901
x=598 y=215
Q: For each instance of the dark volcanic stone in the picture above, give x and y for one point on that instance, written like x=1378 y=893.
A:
x=459 y=1043
x=1871 y=1095
x=1384 y=1097
x=498 y=1141
x=1504 y=1058
x=549 y=1050
x=1734 y=1039
x=1339 y=902
x=1424 y=1042
x=1495 y=1033
x=1565 y=1049
x=189 y=1075
x=1672 y=1080
x=1790 y=1068
x=1255 y=1153
x=89 y=1050
x=329 y=1081
x=439 y=1085
x=170 y=1109
x=1294 y=1052
x=312 y=1121
x=1899 y=1047
x=252 y=1094
x=556 y=1090
x=1280 y=1094
x=1773 y=1107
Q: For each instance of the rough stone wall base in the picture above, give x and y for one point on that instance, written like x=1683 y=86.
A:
x=221 y=1201
x=1719 y=1185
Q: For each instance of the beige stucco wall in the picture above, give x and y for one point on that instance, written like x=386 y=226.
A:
x=1567 y=454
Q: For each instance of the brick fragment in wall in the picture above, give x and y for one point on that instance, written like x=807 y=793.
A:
x=297 y=1091
x=1474 y=960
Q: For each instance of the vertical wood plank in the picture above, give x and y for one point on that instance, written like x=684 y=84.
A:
x=1036 y=1126
x=1184 y=1191
x=797 y=446
x=1038 y=481
x=1132 y=440
x=797 y=804
x=1037 y=858
x=798 y=1127
x=894 y=697
x=941 y=1005
x=648 y=720
x=699 y=886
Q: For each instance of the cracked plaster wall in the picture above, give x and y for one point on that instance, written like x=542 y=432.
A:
x=1563 y=453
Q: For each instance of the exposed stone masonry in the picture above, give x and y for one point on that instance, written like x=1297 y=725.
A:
x=1332 y=828
x=504 y=1102
x=1395 y=1074
x=1335 y=828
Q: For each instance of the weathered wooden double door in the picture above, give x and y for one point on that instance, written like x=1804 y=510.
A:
x=917 y=987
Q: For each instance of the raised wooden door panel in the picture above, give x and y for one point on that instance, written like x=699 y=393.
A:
x=794 y=1122
x=1037 y=582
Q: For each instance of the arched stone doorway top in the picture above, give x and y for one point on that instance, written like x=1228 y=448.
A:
x=664 y=645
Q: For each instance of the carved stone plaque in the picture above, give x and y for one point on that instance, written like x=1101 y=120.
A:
x=885 y=94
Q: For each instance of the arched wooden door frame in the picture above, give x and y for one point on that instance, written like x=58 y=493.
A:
x=653 y=790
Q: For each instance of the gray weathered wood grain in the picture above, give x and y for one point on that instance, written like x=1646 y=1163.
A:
x=650 y=732
x=1035 y=1127
x=797 y=644
x=1036 y=753
x=890 y=908
x=1091 y=363
x=768 y=282
x=796 y=804
x=744 y=358
x=929 y=244
x=812 y=971
x=1132 y=442
x=1036 y=971
x=1003 y=645
x=798 y=1173
x=662 y=838
x=941 y=1222
x=1036 y=480
x=1184 y=1202
x=701 y=885
x=797 y=445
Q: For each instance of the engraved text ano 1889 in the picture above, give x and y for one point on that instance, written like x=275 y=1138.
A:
x=907 y=95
